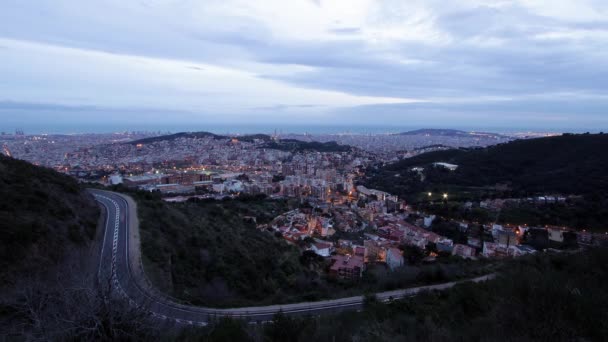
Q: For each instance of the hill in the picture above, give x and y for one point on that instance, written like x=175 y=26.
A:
x=43 y=216
x=446 y=133
x=293 y=145
x=546 y=297
x=567 y=164
x=171 y=137
x=206 y=252
x=252 y=137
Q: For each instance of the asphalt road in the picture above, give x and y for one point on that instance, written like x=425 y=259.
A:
x=117 y=268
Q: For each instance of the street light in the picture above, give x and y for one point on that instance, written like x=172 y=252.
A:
x=430 y=194
x=445 y=196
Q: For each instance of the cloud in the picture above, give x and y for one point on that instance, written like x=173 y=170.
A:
x=299 y=59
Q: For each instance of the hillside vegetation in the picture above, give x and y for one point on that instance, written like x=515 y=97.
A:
x=43 y=214
x=293 y=145
x=537 y=298
x=567 y=164
x=171 y=137
x=208 y=252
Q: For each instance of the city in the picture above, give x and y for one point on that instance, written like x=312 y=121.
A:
x=348 y=170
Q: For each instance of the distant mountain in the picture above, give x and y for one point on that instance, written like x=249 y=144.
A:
x=44 y=215
x=171 y=137
x=291 y=145
x=446 y=133
x=569 y=164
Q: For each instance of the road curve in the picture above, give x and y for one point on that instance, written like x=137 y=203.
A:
x=116 y=266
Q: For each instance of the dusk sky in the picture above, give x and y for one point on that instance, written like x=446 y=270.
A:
x=468 y=63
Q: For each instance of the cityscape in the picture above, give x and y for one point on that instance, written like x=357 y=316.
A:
x=306 y=170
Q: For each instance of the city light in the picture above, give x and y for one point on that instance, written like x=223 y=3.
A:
x=445 y=196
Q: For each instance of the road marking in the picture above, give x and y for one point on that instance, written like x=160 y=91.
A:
x=244 y=312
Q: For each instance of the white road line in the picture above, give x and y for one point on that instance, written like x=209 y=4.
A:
x=348 y=302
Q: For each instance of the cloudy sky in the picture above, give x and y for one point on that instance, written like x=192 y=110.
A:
x=468 y=63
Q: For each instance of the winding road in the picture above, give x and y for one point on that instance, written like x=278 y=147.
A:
x=120 y=265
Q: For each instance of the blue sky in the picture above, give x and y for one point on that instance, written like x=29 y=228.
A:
x=468 y=63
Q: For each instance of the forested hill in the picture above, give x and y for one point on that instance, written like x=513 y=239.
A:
x=293 y=145
x=171 y=137
x=569 y=164
x=43 y=215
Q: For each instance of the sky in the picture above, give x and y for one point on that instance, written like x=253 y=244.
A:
x=97 y=64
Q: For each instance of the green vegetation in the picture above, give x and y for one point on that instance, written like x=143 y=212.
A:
x=43 y=216
x=171 y=137
x=293 y=145
x=566 y=165
x=210 y=253
x=252 y=137
x=589 y=212
x=537 y=298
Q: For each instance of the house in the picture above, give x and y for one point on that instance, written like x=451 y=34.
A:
x=374 y=251
x=428 y=220
x=463 y=251
x=394 y=258
x=451 y=167
x=323 y=249
x=556 y=234
x=390 y=233
x=359 y=251
x=347 y=267
x=489 y=249
x=473 y=242
x=506 y=238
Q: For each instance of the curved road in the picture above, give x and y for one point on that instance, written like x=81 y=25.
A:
x=117 y=266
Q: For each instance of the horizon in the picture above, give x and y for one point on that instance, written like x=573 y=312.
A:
x=280 y=129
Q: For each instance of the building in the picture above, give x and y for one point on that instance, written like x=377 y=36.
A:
x=394 y=258
x=451 y=167
x=506 y=238
x=347 y=267
x=556 y=234
x=323 y=249
x=463 y=251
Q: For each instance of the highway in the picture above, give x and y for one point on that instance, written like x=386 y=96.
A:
x=120 y=266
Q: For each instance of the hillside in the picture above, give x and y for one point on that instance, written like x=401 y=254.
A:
x=546 y=297
x=171 y=137
x=567 y=164
x=293 y=145
x=43 y=215
x=205 y=252
x=446 y=133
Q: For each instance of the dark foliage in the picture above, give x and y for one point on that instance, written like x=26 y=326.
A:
x=293 y=145
x=171 y=137
x=539 y=298
x=567 y=165
x=570 y=164
x=204 y=252
x=43 y=214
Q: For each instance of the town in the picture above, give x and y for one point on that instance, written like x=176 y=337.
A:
x=337 y=218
